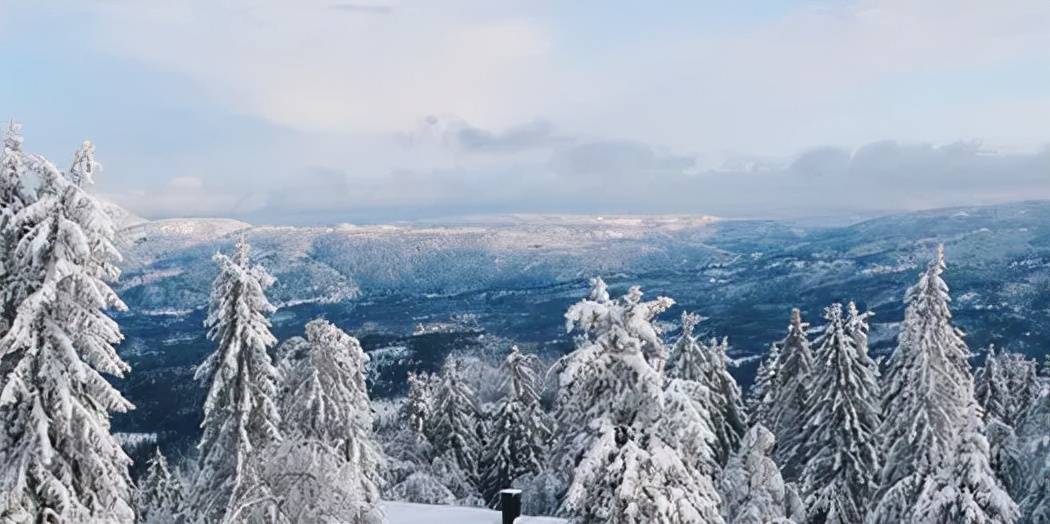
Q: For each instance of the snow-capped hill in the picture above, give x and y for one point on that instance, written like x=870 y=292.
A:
x=183 y=231
x=121 y=217
x=149 y=241
x=326 y=264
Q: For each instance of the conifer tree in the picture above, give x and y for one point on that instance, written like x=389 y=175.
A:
x=420 y=404
x=158 y=496
x=692 y=360
x=926 y=395
x=519 y=431
x=327 y=465
x=61 y=464
x=789 y=397
x=728 y=396
x=753 y=492
x=841 y=423
x=966 y=491
x=454 y=427
x=1006 y=386
x=1034 y=455
x=689 y=426
x=759 y=401
x=706 y=435
x=13 y=199
x=611 y=420
x=240 y=414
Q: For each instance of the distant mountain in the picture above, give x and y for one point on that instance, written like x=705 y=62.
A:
x=478 y=284
x=168 y=266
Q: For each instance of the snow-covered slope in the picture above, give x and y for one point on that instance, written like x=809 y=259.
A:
x=407 y=513
x=514 y=277
x=168 y=268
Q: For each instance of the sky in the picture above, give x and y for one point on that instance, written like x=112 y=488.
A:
x=381 y=110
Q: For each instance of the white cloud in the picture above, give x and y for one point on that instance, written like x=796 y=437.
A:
x=819 y=74
x=307 y=66
x=530 y=112
x=188 y=197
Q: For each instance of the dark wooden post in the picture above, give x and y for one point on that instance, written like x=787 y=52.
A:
x=510 y=504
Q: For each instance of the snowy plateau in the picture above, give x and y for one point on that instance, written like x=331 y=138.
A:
x=481 y=284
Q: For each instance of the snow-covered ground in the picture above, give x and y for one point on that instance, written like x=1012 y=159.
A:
x=408 y=513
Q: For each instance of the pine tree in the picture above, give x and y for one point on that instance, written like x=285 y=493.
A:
x=1006 y=387
x=689 y=426
x=926 y=394
x=13 y=199
x=840 y=429
x=454 y=427
x=700 y=428
x=752 y=489
x=789 y=397
x=419 y=407
x=61 y=462
x=422 y=487
x=966 y=492
x=158 y=496
x=691 y=360
x=611 y=420
x=759 y=401
x=240 y=415
x=327 y=466
x=519 y=430
x=1033 y=436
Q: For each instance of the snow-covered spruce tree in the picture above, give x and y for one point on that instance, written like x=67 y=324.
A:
x=697 y=409
x=693 y=361
x=689 y=426
x=966 y=492
x=1006 y=386
x=13 y=198
x=61 y=464
x=240 y=414
x=841 y=424
x=759 y=398
x=519 y=430
x=857 y=328
x=540 y=492
x=1034 y=450
x=926 y=395
x=419 y=407
x=327 y=465
x=453 y=429
x=422 y=487
x=611 y=420
x=789 y=397
x=159 y=493
x=728 y=396
x=753 y=491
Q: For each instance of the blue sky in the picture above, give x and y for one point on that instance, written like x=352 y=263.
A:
x=329 y=111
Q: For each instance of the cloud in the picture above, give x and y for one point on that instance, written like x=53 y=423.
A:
x=887 y=176
x=355 y=7
x=188 y=197
x=617 y=160
x=457 y=134
x=535 y=134
x=609 y=177
x=298 y=66
x=276 y=110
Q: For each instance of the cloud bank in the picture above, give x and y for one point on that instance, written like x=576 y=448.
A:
x=372 y=110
